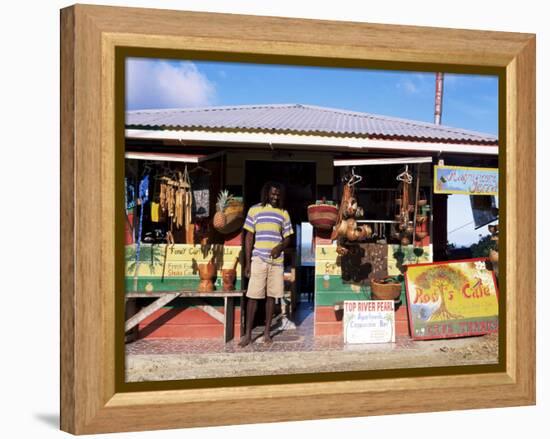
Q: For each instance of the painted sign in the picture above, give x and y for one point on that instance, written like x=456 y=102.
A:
x=163 y=267
x=369 y=321
x=451 y=299
x=464 y=180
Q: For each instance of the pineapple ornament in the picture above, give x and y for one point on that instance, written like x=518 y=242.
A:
x=220 y=219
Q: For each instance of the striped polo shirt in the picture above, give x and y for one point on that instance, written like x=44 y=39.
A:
x=270 y=225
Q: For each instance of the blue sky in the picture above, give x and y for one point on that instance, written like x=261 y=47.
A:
x=469 y=101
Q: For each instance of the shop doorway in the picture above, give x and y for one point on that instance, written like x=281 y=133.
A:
x=299 y=179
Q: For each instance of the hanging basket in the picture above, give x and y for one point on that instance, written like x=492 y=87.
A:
x=234 y=217
x=322 y=216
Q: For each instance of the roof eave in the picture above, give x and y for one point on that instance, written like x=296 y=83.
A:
x=274 y=139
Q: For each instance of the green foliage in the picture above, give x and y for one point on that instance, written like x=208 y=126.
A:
x=483 y=246
x=442 y=274
x=149 y=254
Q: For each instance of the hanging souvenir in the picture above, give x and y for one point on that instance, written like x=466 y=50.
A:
x=200 y=181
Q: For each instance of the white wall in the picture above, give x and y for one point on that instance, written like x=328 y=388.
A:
x=29 y=214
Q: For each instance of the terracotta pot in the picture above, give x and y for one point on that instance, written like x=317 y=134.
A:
x=228 y=279
x=342 y=228
x=381 y=290
x=351 y=223
x=351 y=208
x=366 y=232
x=353 y=234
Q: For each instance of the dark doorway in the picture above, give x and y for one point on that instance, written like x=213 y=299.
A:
x=299 y=179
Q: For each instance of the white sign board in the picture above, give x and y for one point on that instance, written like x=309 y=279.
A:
x=369 y=321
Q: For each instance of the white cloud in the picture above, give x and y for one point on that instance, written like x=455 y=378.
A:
x=408 y=86
x=162 y=84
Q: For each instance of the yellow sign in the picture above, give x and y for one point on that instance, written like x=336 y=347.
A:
x=177 y=260
x=451 y=299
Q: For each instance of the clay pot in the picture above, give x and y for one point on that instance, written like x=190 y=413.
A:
x=366 y=232
x=351 y=208
x=353 y=234
x=384 y=290
x=228 y=279
x=342 y=228
x=207 y=273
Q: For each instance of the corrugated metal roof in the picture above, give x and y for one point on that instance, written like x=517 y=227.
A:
x=301 y=119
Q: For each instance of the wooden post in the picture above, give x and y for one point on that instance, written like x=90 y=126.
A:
x=229 y=323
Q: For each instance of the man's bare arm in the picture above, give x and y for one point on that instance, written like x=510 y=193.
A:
x=279 y=248
x=248 y=243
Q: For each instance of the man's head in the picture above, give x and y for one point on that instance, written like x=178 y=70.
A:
x=274 y=194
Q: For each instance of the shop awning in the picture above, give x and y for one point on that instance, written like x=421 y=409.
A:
x=382 y=161
x=319 y=143
x=170 y=157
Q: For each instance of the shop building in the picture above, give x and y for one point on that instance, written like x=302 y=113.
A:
x=313 y=151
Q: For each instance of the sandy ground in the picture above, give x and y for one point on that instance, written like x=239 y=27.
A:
x=452 y=352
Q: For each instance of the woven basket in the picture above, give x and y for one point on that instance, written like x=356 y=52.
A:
x=234 y=217
x=385 y=291
x=322 y=216
x=234 y=208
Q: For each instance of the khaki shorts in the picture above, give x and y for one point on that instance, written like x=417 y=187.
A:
x=265 y=278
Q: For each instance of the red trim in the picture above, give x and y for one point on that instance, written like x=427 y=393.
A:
x=447 y=262
x=464 y=334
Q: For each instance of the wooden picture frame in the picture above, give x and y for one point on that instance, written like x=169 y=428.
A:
x=91 y=397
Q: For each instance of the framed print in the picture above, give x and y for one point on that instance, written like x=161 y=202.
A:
x=238 y=189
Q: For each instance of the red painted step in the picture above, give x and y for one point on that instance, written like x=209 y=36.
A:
x=184 y=323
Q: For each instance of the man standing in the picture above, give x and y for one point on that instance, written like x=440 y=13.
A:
x=268 y=230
